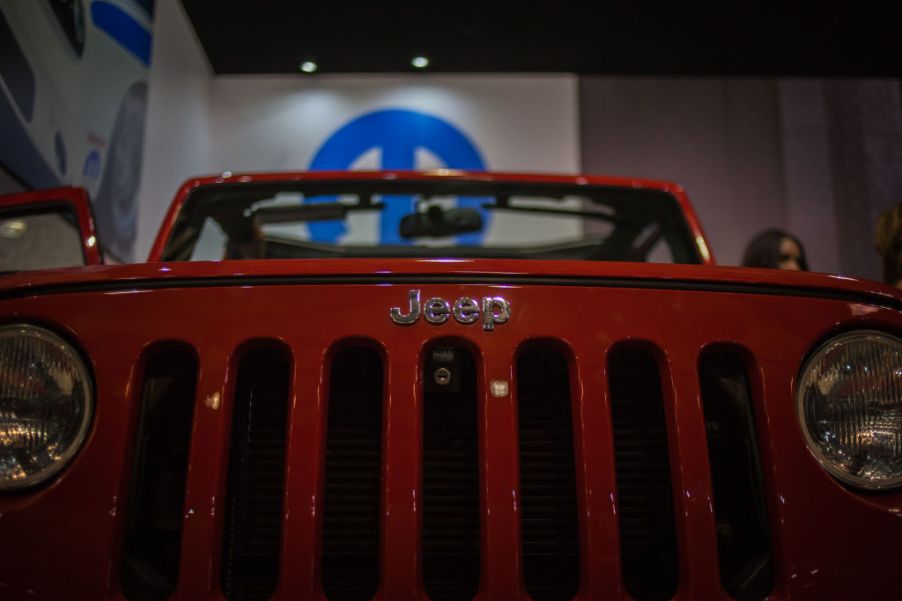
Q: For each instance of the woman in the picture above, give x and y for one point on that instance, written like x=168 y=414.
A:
x=889 y=244
x=775 y=249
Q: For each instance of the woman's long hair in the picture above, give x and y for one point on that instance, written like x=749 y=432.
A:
x=889 y=243
x=764 y=250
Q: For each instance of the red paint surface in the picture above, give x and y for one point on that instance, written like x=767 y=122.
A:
x=77 y=199
x=830 y=542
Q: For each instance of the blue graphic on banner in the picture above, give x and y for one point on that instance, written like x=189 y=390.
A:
x=398 y=134
x=123 y=28
x=91 y=168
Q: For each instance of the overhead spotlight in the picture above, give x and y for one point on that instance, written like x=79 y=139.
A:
x=309 y=67
x=420 y=62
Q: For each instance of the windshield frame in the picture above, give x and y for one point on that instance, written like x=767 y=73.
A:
x=253 y=188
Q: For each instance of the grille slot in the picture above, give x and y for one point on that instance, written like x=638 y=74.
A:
x=549 y=532
x=153 y=530
x=353 y=476
x=644 y=491
x=743 y=539
x=450 y=477
x=253 y=518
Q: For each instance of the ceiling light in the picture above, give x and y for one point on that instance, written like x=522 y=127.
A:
x=308 y=67
x=420 y=62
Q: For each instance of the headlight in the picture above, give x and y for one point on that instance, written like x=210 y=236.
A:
x=850 y=406
x=45 y=405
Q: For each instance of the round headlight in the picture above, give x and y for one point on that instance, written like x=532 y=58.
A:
x=850 y=407
x=45 y=405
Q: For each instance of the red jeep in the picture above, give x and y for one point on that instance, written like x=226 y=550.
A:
x=450 y=386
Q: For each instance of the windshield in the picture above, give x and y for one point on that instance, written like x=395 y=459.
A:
x=430 y=218
x=39 y=237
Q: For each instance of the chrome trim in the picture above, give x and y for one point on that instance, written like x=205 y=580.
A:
x=436 y=310
x=466 y=310
x=489 y=317
x=413 y=298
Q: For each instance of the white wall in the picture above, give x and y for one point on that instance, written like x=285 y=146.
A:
x=177 y=138
x=807 y=170
x=719 y=138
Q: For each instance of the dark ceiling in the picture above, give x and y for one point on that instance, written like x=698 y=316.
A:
x=275 y=36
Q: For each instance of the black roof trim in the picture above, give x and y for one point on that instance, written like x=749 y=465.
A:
x=593 y=282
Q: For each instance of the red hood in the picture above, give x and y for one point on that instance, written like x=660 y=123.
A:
x=519 y=270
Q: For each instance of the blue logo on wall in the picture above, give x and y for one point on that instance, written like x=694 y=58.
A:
x=398 y=134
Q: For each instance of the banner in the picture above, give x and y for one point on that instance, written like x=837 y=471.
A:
x=73 y=96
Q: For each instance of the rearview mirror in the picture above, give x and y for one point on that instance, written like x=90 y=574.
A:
x=437 y=222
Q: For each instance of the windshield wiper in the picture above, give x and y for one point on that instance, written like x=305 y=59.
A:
x=318 y=211
x=503 y=206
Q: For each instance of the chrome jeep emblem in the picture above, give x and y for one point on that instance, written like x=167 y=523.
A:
x=493 y=309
